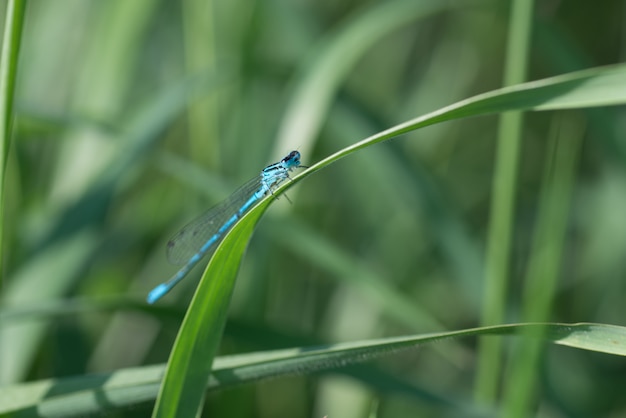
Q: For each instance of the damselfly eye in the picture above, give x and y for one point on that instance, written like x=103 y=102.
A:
x=293 y=155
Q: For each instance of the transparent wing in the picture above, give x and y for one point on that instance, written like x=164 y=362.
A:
x=188 y=241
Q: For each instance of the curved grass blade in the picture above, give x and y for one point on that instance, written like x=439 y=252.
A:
x=101 y=393
x=11 y=42
x=337 y=56
x=198 y=339
x=195 y=347
x=498 y=253
x=601 y=86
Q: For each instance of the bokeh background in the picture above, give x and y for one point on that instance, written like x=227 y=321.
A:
x=133 y=117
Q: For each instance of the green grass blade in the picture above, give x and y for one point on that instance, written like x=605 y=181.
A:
x=101 y=393
x=197 y=342
x=200 y=55
x=545 y=261
x=501 y=221
x=200 y=333
x=337 y=56
x=11 y=42
x=603 y=86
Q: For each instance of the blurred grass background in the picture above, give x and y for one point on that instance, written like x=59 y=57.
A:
x=134 y=117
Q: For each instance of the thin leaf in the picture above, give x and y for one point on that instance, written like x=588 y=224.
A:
x=200 y=333
x=11 y=42
x=198 y=340
x=100 y=393
x=336 y=57
x=502 y=205
x=603 y=86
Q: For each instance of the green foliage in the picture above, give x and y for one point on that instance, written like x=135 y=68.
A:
x=376 y=254
x=81 y=395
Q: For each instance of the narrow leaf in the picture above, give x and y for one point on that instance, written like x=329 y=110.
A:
x=200 y=333
x=86 y=394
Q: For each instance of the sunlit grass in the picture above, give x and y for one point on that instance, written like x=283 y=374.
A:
x=127 y=126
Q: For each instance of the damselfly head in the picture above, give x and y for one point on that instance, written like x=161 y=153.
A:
x=292 y=160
